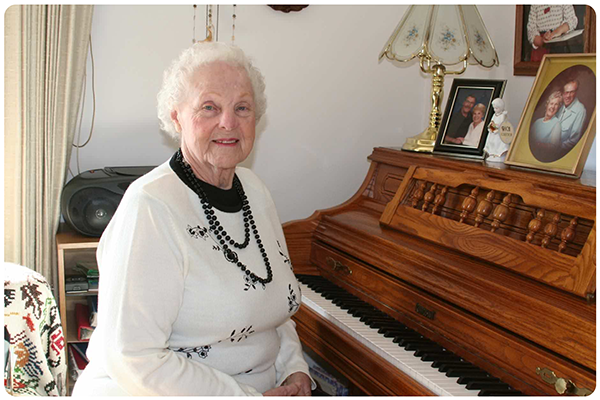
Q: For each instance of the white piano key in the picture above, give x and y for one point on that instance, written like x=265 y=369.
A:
x=404 y=360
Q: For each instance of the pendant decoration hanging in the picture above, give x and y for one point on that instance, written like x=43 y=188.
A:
x=234 y=16
x=209 y=24
x=219 y=233
x=211 y=32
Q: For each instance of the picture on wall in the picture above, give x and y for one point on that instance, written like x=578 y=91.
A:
x=551 y=29
x=558 y=125
x=463 y=130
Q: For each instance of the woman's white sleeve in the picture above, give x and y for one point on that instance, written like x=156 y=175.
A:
x=532 y=28
x=570 y=16
x=290 y=358
x=141 y=289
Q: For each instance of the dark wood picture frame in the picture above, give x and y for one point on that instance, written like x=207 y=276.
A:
x=522 y=66
x=484 y=91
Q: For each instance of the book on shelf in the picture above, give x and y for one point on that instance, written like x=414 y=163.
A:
x=82 y=319
x=81 y=348
x=90 y=271
x=92 y=284
x=93 y=309
x=76 y=284
x=77 y=360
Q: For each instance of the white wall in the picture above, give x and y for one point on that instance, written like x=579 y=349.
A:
x=329 y=99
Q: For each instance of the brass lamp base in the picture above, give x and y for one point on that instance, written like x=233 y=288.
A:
x=423 y=142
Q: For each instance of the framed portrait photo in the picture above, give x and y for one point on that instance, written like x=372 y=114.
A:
x=463 y=130
x=558 y=125
x=551 y=29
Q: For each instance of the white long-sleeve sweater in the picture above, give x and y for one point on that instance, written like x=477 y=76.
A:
x=175 y=317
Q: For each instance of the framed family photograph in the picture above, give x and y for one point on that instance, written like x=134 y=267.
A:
x=558 y=125
x=463 y=130
x=551 y=29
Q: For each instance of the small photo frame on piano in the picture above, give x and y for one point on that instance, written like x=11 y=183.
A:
x=558 y=126
x=469 y=110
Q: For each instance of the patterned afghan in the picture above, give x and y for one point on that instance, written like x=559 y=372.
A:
x=36 y=364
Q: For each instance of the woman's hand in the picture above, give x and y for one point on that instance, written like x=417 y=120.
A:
x=538 y=41
x=455 y=140
x=548 y=35
x=297 y=384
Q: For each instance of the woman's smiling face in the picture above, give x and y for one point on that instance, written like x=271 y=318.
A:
x=217 y=117
x=477 y=116
x=552 y=107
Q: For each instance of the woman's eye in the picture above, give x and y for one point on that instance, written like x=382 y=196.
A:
x=243 y=110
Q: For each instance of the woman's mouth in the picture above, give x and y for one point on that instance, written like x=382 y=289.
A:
x=226 y=142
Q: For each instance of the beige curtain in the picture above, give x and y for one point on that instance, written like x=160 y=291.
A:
x=45 y=53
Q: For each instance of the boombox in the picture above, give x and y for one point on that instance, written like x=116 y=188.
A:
x=91 y=198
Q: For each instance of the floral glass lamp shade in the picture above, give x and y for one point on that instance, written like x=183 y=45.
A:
x=440 y=36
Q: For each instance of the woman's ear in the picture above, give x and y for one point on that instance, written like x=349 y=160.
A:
x=175 y=119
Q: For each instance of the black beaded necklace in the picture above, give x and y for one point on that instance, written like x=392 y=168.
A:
x=217 y=229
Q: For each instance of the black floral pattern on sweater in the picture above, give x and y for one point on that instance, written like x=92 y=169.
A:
x=201 y=351
x=197 y=232
x=236 y=337
x=292 y=300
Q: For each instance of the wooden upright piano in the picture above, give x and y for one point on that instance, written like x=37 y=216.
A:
x=450 y=277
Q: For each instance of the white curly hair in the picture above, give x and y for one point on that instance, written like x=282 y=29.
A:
x=177 y=77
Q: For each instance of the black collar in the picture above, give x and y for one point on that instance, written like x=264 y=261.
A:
x=223 y=200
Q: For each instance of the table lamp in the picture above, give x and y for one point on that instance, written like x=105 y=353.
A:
x=440 y=36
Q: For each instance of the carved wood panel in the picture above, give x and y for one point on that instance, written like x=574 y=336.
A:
x=539 y=233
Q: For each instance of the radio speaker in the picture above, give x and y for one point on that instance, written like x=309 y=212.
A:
x=90 y=199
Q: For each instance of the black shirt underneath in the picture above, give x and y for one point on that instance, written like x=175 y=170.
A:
x=459 y=125
x=223 y=200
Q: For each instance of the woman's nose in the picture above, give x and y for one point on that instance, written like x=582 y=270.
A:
x=228 y=121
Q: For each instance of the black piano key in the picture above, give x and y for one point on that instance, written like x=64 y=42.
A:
x=334 y=294
x=380 y=323
x=404 y=338
x=320 y=288
x=398 y=335
x=344 y=305
x=458 y=373
x=307 y=278
x=421 y=350
x=414 y=339
x=392 y=330
x=445 y=366
x=460 y=369
x=422 y=344
x=359 y=312
x=439 y=357
x=346 y=302
x=370 y=316
x=464 y=380
x=315 y=287
x=496 y=392
x=478 y=385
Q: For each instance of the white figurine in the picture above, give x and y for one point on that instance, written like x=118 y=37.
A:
x=494 y=147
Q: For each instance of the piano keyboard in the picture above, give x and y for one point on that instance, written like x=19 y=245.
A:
x=428 y=363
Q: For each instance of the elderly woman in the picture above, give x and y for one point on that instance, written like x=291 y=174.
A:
x=196 y=289
x=473 y=135
x=545 y=132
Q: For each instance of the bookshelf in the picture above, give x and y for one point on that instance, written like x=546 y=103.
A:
x=72 y=247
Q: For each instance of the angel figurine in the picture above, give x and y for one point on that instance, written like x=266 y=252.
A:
x=495 y=147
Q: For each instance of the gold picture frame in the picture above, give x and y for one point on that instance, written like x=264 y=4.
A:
x=539 y=143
